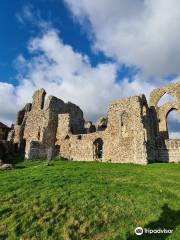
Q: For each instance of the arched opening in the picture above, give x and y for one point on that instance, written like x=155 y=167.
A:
x=173 y=124
x=98 y=148
x=39 y=133
x=124 y=124
x=166 y=98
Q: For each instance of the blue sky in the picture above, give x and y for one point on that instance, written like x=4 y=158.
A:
x=17 y=33
x=89 y=52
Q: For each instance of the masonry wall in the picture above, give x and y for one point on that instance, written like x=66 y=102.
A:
x=132 y=132
x=169 y=151
x=160 y=113
x=3 y=133
x=127 y=133
x=34 y=120
x=41 y=125
x=124 y=139
x=80 y=147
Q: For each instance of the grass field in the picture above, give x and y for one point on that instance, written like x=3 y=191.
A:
x=77 y=200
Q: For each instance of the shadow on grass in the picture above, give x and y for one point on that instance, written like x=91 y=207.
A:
x=168 y=220
x=5 y=211
x=20 y=167
x=15 y=160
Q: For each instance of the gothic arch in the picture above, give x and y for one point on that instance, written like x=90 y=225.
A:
x=168 y=122
x=170 y=110
x=157 y=94
x=163 y=113
x=124 y=124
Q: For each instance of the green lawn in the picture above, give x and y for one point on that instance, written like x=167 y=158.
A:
x=77 y=200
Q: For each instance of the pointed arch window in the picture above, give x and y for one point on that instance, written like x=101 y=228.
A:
x=173 y=124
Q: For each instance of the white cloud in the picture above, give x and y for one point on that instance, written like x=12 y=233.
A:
x=8 y=104
x=144 y=33
x=68 y=75
x=29 y=14
x=141 y=33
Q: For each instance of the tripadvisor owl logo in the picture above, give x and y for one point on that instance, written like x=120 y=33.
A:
x=138 y=231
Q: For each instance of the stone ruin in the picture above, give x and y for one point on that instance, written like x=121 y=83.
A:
x=4 y=130
x=133 y=131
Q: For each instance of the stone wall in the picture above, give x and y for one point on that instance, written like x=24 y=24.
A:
x=169 y=151
x=4 y=130
x=80 y=147
x=160 y=113
x=132 y=132
x=124 y=138
x=128 y=133
x=37 y=125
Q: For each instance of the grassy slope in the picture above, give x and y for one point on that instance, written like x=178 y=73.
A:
x=75 y=200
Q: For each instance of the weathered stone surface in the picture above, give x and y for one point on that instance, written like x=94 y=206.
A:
x=89 y=127
x=4 y=130
x=101 y=124
x=167 y=150
x=133 y=132
x=6 y=167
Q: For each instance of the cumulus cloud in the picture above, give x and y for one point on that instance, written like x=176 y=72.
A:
x=8 y=106
x=137 y=33
x=143 y=33
x=68 y=75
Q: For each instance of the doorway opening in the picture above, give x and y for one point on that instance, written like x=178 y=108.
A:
x=98 y=148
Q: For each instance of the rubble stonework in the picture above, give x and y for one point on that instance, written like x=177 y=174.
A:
x=3 y=131
x=133 y=131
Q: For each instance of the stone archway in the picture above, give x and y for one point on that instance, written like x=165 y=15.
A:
x=157 y=94
x=173 y=123
x=163 y=113
x=98 y=148
x=159 y=113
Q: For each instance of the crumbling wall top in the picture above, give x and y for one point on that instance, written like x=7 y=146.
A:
x=54 y=104
x=38 y=99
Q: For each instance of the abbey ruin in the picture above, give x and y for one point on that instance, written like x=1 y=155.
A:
x=134 y=130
